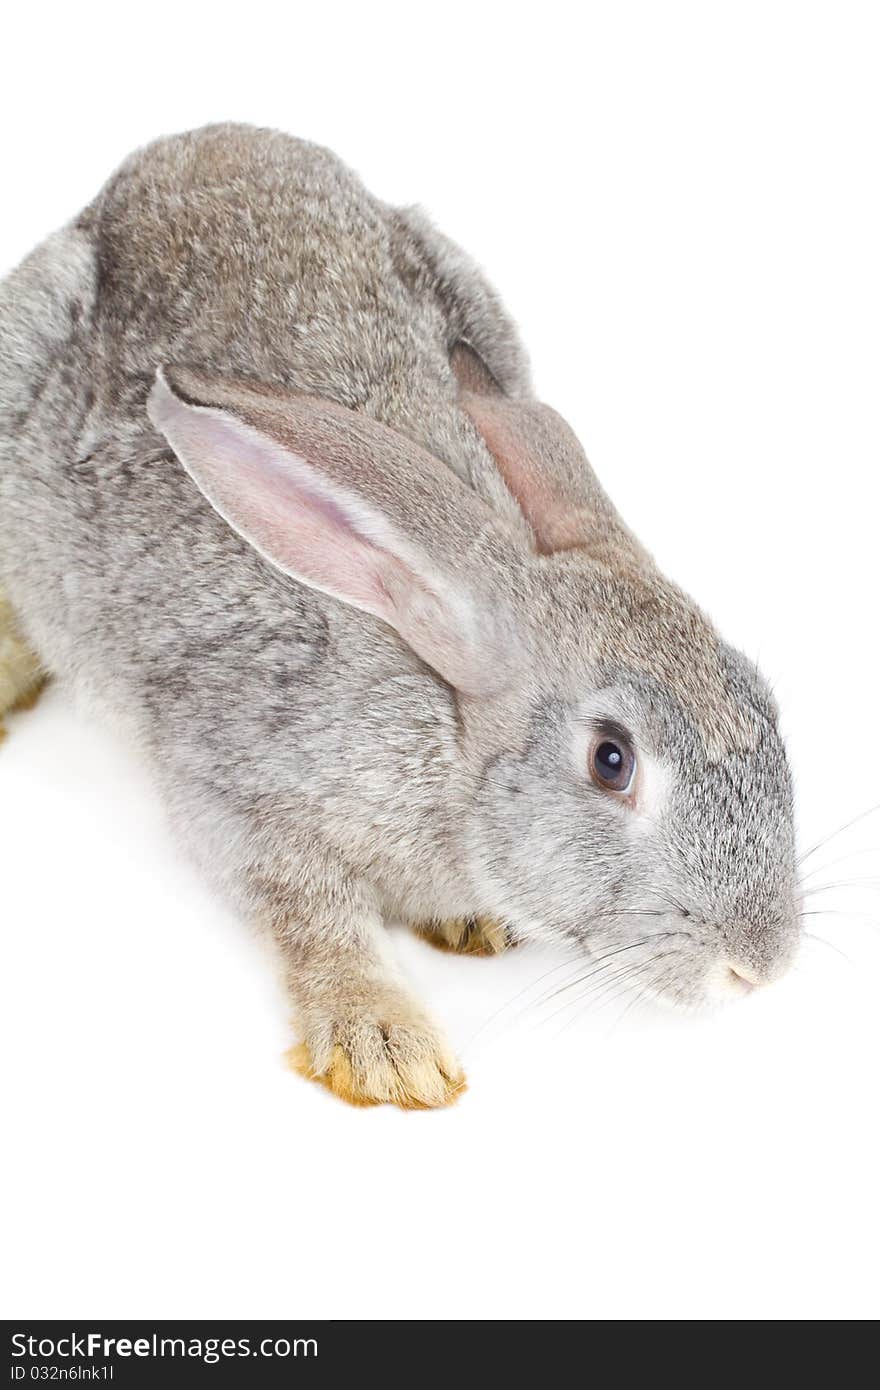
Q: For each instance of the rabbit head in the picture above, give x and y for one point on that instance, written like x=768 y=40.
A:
x=623 y=785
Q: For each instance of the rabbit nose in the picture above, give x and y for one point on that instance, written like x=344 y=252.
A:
x=742 y=977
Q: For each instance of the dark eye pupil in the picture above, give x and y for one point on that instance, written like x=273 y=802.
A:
x=609 y=758
x=613 y=765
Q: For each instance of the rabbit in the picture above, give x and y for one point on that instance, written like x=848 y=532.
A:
x=276 y=496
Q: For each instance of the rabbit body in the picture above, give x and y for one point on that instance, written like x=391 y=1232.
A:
x=248 y=252
x=323 y=772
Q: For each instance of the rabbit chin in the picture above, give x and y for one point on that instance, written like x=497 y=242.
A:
x=706 y=989
x=699 y=988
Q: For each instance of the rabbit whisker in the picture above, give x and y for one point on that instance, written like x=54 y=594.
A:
x=668 y=974
x=843 y=885
x=811 y=936
x=599 y=966
x=606 y=991
x=863 y=815
x=842 y=859
x=841 y=912
x=598 y=988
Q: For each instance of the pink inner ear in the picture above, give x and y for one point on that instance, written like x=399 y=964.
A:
x=555 y=528
x=547 y=472
x=277 y=502
x=289 y=504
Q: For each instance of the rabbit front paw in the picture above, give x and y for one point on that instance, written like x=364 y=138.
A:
x=468 y=936
x=21 y=679
x=383 y=1053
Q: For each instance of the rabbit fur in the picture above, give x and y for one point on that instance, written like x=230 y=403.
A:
x=276 y=496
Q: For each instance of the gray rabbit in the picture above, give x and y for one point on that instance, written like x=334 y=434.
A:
x=275 y=494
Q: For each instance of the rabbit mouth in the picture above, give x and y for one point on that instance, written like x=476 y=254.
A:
x=706 y=985
x=673 y=967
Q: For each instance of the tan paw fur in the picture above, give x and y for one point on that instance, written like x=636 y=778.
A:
x=21 y=678
x=468 y=936
x=383 y=1061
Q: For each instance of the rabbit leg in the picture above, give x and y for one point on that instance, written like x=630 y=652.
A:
x=365 y=1037
x=467 y=936
x=21 y=677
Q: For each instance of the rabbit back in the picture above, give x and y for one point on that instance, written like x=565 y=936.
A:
x=252 y=254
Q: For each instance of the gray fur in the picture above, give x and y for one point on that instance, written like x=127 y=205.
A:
x=324 y=775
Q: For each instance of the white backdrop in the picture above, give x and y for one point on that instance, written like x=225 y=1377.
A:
x=680 y=205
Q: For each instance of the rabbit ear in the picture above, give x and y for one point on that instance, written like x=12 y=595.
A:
x=544 y=467
x=350 y=507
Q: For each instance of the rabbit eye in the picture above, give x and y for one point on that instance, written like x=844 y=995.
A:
x=613 y=764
